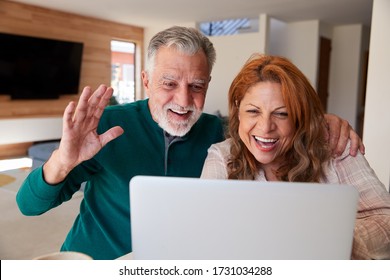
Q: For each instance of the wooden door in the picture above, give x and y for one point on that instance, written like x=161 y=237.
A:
x=323 y=71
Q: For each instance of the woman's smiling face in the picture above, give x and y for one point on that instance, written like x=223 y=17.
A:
x=264 y=124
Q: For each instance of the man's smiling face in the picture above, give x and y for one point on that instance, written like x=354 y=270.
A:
x=177 y=89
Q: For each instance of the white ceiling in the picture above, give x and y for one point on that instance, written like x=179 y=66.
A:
x=146 y=13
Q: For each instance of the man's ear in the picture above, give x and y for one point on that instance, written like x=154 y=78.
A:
x=145 y=79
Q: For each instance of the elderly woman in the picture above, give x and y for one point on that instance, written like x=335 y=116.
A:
x=277 y=133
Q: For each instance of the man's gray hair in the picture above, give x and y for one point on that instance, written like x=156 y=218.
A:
x=184 y=39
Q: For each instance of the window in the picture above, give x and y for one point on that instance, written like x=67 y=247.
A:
x=229 y=27
x=123 y=71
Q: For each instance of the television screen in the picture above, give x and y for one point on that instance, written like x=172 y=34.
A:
x=37 y=68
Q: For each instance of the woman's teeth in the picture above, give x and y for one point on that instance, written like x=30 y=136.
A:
x=265 y=141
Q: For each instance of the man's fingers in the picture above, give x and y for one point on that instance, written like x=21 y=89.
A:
x=82 y=105
x=96 y=97
x=356 y=143
x=362 y=148
x=343 y=138
x=103 y=102
x=89 y=104
x=110 y=135
x=67 y=120
x=334 y=126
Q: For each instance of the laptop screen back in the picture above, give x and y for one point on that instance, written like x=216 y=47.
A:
x=188 y=218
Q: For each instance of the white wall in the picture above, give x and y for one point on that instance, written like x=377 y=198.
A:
x=30 y=130
x=377 y=112
x=298 y=41
x=278 y=31
x=303 y=47
x=344 y=78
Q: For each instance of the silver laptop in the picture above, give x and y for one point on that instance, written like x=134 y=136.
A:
x=197 y=219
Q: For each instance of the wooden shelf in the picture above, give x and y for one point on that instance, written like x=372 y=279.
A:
x=34 y=108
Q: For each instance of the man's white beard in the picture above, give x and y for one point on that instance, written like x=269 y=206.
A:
x=176 y=128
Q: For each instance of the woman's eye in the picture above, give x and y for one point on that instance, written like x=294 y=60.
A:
x=252 y=111
x=281 y=114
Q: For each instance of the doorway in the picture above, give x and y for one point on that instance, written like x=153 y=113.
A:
x=323 y=71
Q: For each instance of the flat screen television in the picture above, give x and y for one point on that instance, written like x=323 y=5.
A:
x=38 y=68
